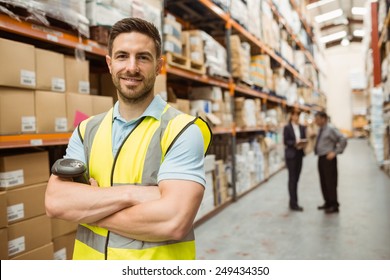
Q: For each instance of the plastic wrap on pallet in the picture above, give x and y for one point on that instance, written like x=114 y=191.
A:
x=254 y=17
x=239 y=12
x=147 y=11
x=74 y=5
x=101 y=14
x=224 y=4
x=70 y=12
x=215 y=56
x=108 y=12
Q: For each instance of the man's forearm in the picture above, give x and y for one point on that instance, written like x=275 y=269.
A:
x=168 y=218
x=87 y=204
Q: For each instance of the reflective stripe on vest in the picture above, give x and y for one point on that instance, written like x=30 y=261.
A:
x=137 y=162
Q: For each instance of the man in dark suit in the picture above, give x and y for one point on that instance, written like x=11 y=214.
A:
x=294 y=136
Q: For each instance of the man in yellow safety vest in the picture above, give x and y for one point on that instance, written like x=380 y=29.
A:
x=145 y=160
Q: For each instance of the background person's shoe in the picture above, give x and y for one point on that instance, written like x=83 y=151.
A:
x=296 y=208
x=331 y=210
x=322 y=207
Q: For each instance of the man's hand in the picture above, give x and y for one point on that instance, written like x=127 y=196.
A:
x=93 y=182
x=330 y=155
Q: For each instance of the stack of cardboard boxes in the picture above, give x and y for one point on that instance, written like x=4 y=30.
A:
x=241 y=56
x=43 y=91
x=248 y=112
x=172 y=35
x=261 y=72
x=213 y=103
x=216 y=190
x=26 y=232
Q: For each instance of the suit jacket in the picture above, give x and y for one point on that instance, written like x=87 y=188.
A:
x=290 y=150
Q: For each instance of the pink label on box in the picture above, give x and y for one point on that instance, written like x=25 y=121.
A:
x=79 y=117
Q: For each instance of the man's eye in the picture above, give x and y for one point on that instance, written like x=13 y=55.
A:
x=143 y=57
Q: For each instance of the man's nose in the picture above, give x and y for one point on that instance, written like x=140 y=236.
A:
x=132 y=66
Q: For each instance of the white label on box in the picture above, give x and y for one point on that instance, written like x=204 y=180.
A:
x=168 y=29
x=28 y=124
x=61 y=125
x=194 y=40
x=57 y=84
x=15 y=212
x=36 y=142
x=169 y=46
x=52 y=37
x=197 y=56
x=215 y=107
x=60 y=254
x=17 y=245
x=11 y=178
x=27 y=78
x=83 y=87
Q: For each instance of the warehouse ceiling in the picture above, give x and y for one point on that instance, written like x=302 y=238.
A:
x=339 y=21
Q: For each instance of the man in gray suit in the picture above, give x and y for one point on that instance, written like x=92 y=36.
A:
x=330 y=142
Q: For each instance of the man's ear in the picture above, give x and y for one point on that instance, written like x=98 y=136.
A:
x=108 y=61
x=160 y=63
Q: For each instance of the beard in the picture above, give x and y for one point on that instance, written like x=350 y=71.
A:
x=134 y=94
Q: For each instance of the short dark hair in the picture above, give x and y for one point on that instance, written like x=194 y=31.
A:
x=321 y=114
x=295 y=111
x=128 y=25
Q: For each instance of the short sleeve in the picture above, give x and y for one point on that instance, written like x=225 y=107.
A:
x=75 y=149
x=185 y=159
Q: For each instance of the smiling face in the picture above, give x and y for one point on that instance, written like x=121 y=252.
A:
x=134 y=66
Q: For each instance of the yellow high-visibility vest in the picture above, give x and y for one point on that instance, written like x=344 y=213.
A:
x=137 y=162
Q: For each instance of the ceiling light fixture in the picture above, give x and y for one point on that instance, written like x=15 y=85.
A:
x=329 y=16
x=359 y=11
x=333 y=37
x=318 y=3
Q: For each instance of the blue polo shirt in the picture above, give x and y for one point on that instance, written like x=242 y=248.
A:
x=184 y=161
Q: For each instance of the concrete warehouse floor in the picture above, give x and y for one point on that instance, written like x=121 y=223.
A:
x=261 y=226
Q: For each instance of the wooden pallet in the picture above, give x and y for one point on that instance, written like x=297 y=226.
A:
x=197 y=67
x=178 y=60
x=185 y=63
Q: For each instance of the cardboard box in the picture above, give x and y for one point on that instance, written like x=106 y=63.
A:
x=76 y=75
x=3 y=209
x=44 y=252
x=101 y=104
x=24 y=169
x=160 y=86
x=192 y=46
x=172 y=27
x=18 y=64
x=172 y=44
x=50 y=70
x=205 y=93
x=17 y=113
x=61 y=227
x=50 y=112
x=28 y=235
x=196 y=40
x=183 y=105
x=63 y=246
x=3 y=244
x=78 y=108
x=26 y=202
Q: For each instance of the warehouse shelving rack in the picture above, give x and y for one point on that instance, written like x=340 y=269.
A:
x=380 y=54
x=192 y=15
x=56 y=38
